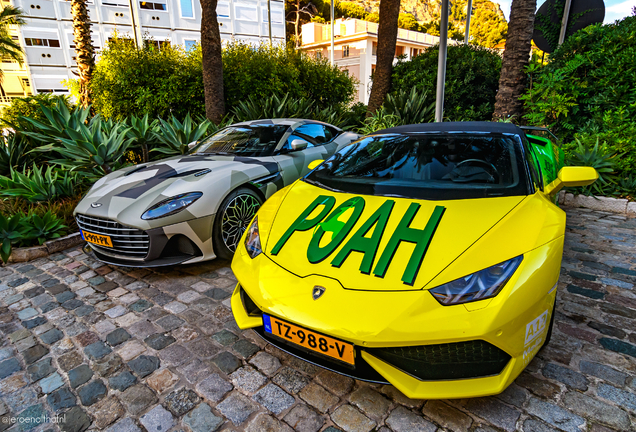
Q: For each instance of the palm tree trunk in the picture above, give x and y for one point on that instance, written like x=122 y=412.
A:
x=84 y=53
x=212 y=62
x=516 y=57
x=387 y=37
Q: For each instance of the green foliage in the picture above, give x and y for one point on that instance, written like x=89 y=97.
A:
x=265 y=70
x=10 y=234
x=348 y=9
x=43 y=228
x=89 y=149
x=472 y=80
x=155 y=81
x=168 y=81
x=10 y=16
x=586 y=91
x=255 y=108
x=175 y=136
x=410 y=107
x=285 y=106
x=601 y=157
x=143 y=132
x=488 y=26
x=58 y=120
x=401 y=108
x=30 y=106
x=21 y=230
x=13 y=152
x=37 y=185
x=381 y=119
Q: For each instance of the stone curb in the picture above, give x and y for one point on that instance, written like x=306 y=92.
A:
x=48 y=248
x=615 y=205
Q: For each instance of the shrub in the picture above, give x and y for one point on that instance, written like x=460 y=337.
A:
x=90 y=149
x=265 y=70
x=472 y=80
x=153 y=81
x=176 y=136
x=14 y=150
x=587 y=90
x=410 y=107
x=285 y=106
x=168 y=81
x=30 y=107
x=602 y=158
x=34 y=185
x=24 y=230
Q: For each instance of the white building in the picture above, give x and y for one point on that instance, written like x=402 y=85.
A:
x=355 y=44
x=47 y=38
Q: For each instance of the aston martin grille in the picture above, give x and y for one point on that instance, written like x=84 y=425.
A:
x=459 y=360
x=127 y=242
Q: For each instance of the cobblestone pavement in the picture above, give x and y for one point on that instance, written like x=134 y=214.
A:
x=122 y=349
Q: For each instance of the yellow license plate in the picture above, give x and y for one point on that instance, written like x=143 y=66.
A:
x=98 y=239
x=309 y=339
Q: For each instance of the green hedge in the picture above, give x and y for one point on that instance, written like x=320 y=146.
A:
x=587 y=91
x=472 y=80
x=168 y=81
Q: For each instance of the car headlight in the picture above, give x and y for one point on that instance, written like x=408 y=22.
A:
x=253 y=240
x=477 y=286
x=171 y=205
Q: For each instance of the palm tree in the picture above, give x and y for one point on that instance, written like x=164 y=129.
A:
x=212 y=62
x=516 y=57
x=84 y=52
x=387 y=37
x=10 y=49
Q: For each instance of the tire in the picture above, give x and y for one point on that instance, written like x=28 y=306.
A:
x=234 y=215
x=548 y=336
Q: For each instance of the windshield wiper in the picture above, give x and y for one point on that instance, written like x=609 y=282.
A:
x=318 y=184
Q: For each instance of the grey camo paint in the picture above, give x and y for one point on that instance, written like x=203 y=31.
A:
x=126 y=194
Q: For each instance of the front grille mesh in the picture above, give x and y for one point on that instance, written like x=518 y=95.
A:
x=127 y=242
x=457 y=360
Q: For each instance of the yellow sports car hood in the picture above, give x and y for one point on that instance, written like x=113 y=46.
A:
x=376 y=242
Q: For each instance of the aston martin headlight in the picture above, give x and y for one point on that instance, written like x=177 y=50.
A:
x=171 y=205
x=253 y=240
x=477 y=286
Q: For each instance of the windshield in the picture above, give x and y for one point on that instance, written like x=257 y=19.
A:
x=427 y=166
x=250 y=140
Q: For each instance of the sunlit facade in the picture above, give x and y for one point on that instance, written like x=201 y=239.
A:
x=47 y=38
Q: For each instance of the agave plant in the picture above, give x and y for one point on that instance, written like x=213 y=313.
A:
x=143 y=132
x=90 y=149
x=174 y=136
x=381 y=119
x=59 y=120
x=14 y=150
x=256 y=108
x=602 y=158
x=34 y=185
x=10 y=233
x=43 y=228
x=410 y=107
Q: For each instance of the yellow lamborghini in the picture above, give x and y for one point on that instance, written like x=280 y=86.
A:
x=425 y=256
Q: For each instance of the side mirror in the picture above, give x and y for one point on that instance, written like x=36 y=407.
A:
x=298 y=144
x=192 y=145
x=314 y=164
x=572 y=176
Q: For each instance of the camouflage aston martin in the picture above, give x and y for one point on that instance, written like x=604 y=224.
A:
x=196 y=207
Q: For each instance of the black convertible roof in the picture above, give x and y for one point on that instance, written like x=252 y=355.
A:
x=455 y=127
